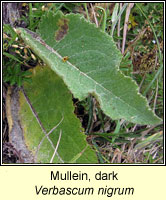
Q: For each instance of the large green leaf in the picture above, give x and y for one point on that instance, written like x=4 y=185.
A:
x=92 y=66
x=46 y=104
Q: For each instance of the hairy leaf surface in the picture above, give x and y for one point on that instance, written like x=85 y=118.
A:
x=88 y=61
x=46 y=104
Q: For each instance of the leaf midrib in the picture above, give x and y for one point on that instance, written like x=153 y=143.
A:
x=88 y=77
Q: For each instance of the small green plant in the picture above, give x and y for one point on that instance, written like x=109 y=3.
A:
x=14 y=75
x=15 y=55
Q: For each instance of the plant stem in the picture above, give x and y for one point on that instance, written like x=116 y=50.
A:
x=86 y=10
x=101 y=119
x=104 y=18
x=30 y=15
x=90 y=102
x=126 y=25
x=151 y=83
x=101 y=160
x=117 y=18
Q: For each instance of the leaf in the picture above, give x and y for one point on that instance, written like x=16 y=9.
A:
x=46 y=107
x=92 y=66
x=11 y=56
x=149 y=140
